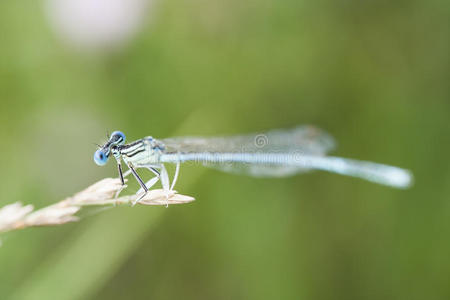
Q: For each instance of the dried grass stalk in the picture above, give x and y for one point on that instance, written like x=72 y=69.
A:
x=17 y=216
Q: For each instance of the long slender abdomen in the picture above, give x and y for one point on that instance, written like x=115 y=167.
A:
x=297 y=162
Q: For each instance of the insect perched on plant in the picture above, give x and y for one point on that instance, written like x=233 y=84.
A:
x=276 y=153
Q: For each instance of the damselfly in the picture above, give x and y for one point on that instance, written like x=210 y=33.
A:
x=275 y=153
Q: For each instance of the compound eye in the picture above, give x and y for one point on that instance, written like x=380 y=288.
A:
x=100 y=157
x=117 y=138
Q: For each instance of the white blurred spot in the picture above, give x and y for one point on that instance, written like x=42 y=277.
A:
x=98 y=25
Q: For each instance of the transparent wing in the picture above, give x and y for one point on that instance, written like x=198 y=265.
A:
x=278 y=153
x=306 y=139
x=301 y=140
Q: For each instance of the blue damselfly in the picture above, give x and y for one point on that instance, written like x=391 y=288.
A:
x=275 y=153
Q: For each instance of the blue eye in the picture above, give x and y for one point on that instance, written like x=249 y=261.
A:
x=100 y=157
x=117 y=137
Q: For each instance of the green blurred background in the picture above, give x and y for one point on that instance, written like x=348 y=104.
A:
x=375 y=74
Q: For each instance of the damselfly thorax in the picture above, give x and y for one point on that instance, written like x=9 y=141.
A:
x=141 y=152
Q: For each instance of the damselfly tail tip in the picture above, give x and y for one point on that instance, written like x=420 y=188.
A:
x=400 y=178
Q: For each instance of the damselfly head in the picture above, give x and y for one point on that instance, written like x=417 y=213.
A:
x=101 y=156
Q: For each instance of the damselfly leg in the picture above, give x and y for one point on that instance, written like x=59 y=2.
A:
x=149 y=184
x=162 y=175
x=139 y=180
x=175 y=177
x=165 y=182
